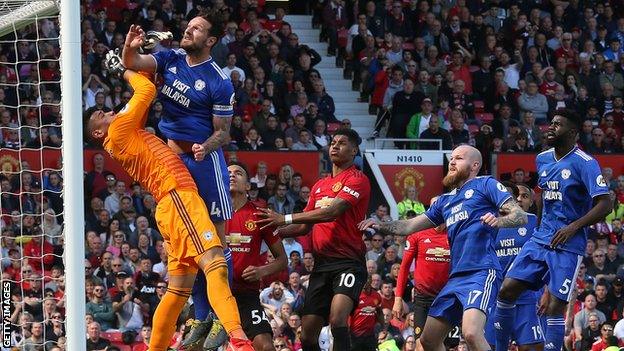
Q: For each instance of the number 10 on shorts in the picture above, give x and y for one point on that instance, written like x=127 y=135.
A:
x=347 y=280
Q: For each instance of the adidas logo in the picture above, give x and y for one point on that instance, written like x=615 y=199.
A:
x=173 y=70
x=498 y=326
x=549 y=346
x=361 y=301
x=318 y=190
x=427 y=241
x=543 y=174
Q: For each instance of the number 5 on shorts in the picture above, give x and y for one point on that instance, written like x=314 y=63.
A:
x=257 y=316
x=565 y=287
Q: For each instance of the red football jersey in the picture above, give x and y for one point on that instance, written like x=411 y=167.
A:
x=363 y=319
x=340 y=238
x=431 y=251
x=244 y=239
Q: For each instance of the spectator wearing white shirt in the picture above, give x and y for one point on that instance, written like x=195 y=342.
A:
x=273 y=297
x=112 y=201
x=230 y=65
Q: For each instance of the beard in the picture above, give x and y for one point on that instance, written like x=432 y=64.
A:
x=452 y=181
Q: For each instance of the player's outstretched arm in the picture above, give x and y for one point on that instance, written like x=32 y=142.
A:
x=511 y=215
x=400 y=227
x=320 y=215
x=602 y=207
x=406 y=262
x=131 y=57
x=254 y=274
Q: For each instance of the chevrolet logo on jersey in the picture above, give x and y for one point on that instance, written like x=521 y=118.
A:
x=438 y=252
x=237 y=239
x=324 y=202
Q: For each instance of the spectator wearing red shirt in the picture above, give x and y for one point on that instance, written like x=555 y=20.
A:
x=606 y=332
x=364 y=318
x=461 y=68
x=567 y=51
x=39 y=251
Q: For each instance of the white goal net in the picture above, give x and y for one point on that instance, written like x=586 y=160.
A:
x=32 y=177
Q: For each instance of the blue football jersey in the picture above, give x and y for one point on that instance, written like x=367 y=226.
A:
x=568 y=188
x=471 y=241
x=191 y=96
x=509 y=242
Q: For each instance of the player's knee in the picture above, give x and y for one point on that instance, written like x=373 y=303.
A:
x=338 y=321
x=509 y=291
x=472 y=337
x=556 y=307
x=263 y=346
x=427 y=342
x=307 y=339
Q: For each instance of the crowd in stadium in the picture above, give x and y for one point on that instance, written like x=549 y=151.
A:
x=485 y=73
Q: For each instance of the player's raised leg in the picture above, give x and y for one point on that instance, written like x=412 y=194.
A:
x=432 y=337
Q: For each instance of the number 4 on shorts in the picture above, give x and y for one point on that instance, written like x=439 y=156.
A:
x=214 y=210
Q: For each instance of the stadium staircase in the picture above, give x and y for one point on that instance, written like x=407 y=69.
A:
x=339 y=88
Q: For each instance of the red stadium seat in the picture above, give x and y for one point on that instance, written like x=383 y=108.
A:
x=484 y=117
x=332 y=127
x=408 y=46
x=114 y=336
x=478 y=105
x=473 y=128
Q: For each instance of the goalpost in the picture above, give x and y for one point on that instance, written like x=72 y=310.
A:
x=30 y=99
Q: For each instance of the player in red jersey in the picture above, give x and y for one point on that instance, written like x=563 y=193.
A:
x=336 y=205
x=244 y=238
x=363 y=319
x=429 y=250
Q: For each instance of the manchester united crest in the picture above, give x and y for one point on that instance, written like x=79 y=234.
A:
x=408 y=177
x=336 y=187
x=250 y=225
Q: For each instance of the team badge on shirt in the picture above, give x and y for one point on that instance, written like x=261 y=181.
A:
x=522 y=231
x=565 y=173
x=250 y=225
x=468 y=194
x=336 y=187
x=501 y=187
x=199 y=85
x=208 y=235
x=600 y=181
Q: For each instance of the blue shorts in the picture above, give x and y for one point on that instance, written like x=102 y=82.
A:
x=212 y=179
x=527 y=329
x=537 y=265
x=462 y=292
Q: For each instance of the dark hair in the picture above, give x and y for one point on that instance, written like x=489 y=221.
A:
x=352 y=135
x=571 y=116
x=241 y=165
x=216 y=23
x=513 y=186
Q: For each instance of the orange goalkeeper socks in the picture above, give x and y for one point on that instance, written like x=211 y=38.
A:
x=220 y=295
x=163 y=325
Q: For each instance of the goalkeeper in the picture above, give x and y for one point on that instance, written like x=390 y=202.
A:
x=197 y=99
x=181 y=215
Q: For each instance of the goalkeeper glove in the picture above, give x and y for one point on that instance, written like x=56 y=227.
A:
x=152 y=38
x=113 y=64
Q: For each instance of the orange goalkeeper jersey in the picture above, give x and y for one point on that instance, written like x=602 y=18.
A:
x=143 y=155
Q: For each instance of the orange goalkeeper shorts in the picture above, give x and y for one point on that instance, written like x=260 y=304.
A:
x=183 y=220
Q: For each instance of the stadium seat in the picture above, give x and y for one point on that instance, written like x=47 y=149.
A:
x=479 y=106
x=332 y=127
x=484 y=117
x=408 y=46
x=113 y=336
x=473 y=129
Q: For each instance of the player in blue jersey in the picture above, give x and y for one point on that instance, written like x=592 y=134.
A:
x=527 y=331
x=574 y=196
x=197 y=100
x=470 y=212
